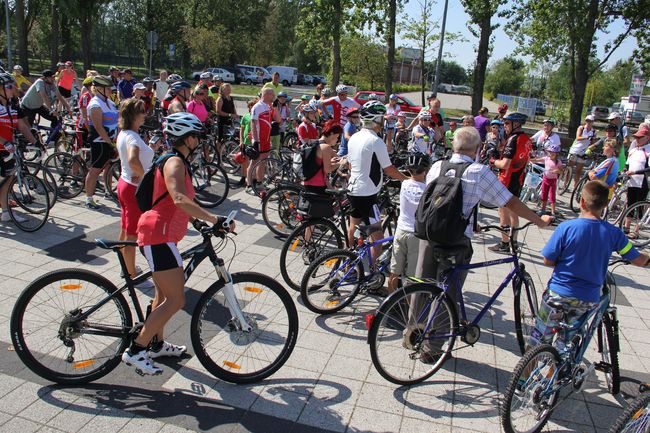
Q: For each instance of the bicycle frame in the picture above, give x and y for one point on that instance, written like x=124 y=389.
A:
x=364 y=251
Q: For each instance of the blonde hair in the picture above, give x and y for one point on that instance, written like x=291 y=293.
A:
x=129 y=110
x=91 y=73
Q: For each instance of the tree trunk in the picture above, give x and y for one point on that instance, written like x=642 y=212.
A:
x=54 y=34
x=388 y=81
x=482 y=58
x=86 y=27
x=21 y=30
x=66 y=37
x=186 y=59
x=336 y=44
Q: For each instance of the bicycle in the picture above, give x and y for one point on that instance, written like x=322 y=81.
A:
x=335 y=278
x=544 y=370
x=532 y=187
x=398 y=331
x=636 y=417
x=638 y=226
x=71 y=326
x=280 y=208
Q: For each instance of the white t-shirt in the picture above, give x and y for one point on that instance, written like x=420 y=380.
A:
x=542 y=141
x=409 y=198
x=161 y=89
x=579 y=147
x=125 y=140
x=368 y=156
x=418 y=144
x=637 y=161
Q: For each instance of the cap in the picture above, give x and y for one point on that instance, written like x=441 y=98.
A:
x=88 y=81
x=305 y=98
x=644 y=131
x=502 y=108
x=112 y=69
x=551 y=121
x=614 y=115
x=431 y=96
x=47 y=73
x=590 y=118
x=139 y=86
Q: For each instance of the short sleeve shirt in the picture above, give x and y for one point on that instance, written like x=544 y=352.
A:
x=245 y=125
x=307 y=131
x=637 y=161
x=262 y=112
x=392 y=111
x=340 y=109
x=33 y=99
x=8 y=121
x=350 y=129
x=418 y=144
x=109 y=116
x=608 y=171
x=368 y=157
x=542 y=141
x=409 y=198
x=127 y=139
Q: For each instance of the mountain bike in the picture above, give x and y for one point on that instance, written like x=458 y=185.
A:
x=334 y=279
x=637 y=219
x=280 y=208
x=636 y=417
x=534 y=388
x=71 y=326
x=422 y=313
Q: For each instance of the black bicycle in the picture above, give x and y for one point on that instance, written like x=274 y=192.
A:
x=71 y=326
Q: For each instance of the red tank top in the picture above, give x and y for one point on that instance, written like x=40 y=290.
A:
x=319 y=178
x=165 y=222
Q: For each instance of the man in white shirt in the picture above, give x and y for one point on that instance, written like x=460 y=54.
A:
x=545 y=137
x=637 y=186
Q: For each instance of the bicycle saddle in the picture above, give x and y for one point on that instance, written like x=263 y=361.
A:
x=336 y=191
x=112 y=245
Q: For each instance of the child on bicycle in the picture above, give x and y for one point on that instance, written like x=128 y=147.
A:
x=552 y=169
x=579 y=251
x=405 y=243
x=607 y=171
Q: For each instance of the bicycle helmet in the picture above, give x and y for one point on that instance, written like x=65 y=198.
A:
x=424 y=114
x=308 y=108
x=516 y=117
x=102 y=81
x=373 y=97
x=282 y=95
x=553 y=147
x=392 y=96
x=305 y=98
x=59 y=64
x=147 y=80
x=87 y=81
x=327 y=92
x=372 y=111
x=180 y=85
x=611 y=127
x=6 y=79
x=68 y=63
x=418 y=162
x=205 y=76
x=18 y=68
x=551 y=121
x=181 y=124
x=251 y=152
x=496 y=122
x=342 y=88
x=174 y=77
x=217 y=77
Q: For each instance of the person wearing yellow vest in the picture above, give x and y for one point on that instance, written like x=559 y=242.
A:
x=21 y=81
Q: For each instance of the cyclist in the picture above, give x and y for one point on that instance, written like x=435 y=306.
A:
x=304 y=100
x=149 y=96
x=340 y=105
x=546 y=137
x=67 y=79
x=81 y=128
x=167 y=99
x=21 y=81
x=102 y=130
x=40 y=99
x=205 y=78
x=181 y=91
x=262 y=114
x=125 y=86
x=638 y=161
x=368 y=159
x=114 y=75
x=585 y=136
x=481 y=122
x=284 y=112
x=552 y=169
x=622 y=135
x=217 y=82
x=449 y=134
x=579 y=251
x=610 y=132
x=512 y=164
x=392 y=111
x=197 y=105
x=350 y=128
x=161 y=85
x=326 y=158
x=11 y=118
x=422 y=134
x=226 y=110
x=275 y=84
x=159 y=231
x=245 y=140
x=308 y=130
x=437 y=122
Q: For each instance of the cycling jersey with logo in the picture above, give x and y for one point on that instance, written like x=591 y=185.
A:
x=84 y=100
x=517 y=149
x=8 y=121
x=340 y=108
x=262 y=112
x=368 y=156
x=109 y=116
x=307 y=131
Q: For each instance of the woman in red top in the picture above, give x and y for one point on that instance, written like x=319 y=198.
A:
x=326 y=158
x=67 y=79
x=159 y=231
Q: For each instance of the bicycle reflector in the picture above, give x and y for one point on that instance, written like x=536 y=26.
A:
x=253 y=289
x=231 y=365
x=83 y=364
x=369 y=319
x=70 y=286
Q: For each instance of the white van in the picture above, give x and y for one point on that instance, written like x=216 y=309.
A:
x=288 y=74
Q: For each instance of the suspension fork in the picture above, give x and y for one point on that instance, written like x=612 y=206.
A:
x=229 y=293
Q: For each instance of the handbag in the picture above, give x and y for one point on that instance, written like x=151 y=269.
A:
x=316 y=205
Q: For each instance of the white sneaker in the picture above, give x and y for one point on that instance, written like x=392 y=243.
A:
x=168 y=349
x=142 y=362
x=6 y=217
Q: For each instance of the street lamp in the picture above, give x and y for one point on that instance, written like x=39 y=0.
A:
x=9 y=59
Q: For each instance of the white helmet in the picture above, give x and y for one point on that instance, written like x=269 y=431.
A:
x=373 y=97
x=217 y=77
x=205 y=76
x=342 y=88
x=173 y=78
x=181 y=124
x=424 y=114
x=372 y=111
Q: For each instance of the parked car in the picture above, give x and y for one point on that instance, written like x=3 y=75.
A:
x=461 y=90
x=600 y=112
x=405 y=103
x=444 y=88
x=319 y=79
x=307 y=81
x=252 y=75
x=540 y=108
x=634 y=117
x=288 y=74
x=225 y=74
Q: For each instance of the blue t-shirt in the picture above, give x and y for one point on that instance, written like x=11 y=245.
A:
x=125 y=87
x=604 y=166
x=581 y=249
x=349 y=128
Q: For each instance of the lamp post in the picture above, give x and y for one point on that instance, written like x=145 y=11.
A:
x=9 y=59
x=442 y=41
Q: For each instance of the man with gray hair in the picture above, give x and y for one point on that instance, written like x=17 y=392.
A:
x=478 y=184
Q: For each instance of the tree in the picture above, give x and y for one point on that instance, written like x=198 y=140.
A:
x=421 y=31
x=577 y=25
x=54 y=34
x=505 y=76
x=208 y=47
x=481 y=13
x=363 y=61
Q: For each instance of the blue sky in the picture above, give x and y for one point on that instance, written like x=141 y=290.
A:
x=465 y=54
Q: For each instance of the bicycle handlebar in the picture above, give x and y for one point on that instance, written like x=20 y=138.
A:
x=220 y=228
x=506 y=231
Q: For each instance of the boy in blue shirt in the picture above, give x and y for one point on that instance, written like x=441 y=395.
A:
x=579 y=250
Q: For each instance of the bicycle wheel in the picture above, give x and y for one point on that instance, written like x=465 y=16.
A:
x=532 y=391
x=564 y=180
x=211 y=184
x=408 y=321
x=273 y=174
x=635 y=418
x=616 y=206
x=47 y=177
x=608 y=349
x=576 y=195
x=228 y=151
x=69 y=172
x=112 y=177
x=291 y=141
x=304 y=244
x=32 y=202
x=280 y=209
x=637 y=218
x=232 y=354
x=332 y=281
x=526 y=305
x=52 y=344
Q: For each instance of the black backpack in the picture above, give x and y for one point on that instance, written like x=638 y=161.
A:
x=304 y=161
x=439 y=217
x=144 y=192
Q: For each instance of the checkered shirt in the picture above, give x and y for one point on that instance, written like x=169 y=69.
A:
x=479 y=184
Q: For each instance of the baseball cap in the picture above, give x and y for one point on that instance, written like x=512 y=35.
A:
x=431 y=96
x=614 y=115
x=644 y=131
x=139 y=86
x=589 y=118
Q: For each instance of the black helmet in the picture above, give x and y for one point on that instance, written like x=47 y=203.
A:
x=102 y=81
x=418 y=161
x=180 y=85
x=251 y=152
x=6 y=78
x=147 y=80
x=516 y=117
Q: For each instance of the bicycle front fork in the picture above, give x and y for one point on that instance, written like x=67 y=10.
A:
x=229 y=294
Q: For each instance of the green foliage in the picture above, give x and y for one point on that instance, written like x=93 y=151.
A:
x=363 y=62
x=208 y=47
x=505 y=76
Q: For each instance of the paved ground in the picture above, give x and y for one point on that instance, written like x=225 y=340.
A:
x=328 y=384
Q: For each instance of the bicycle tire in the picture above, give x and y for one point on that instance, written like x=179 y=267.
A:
x=308 y=287
x=577 y=194
x=328 y=236
x=564 y=180
x=393 y=317
x=273 y=174
x=635 y=418
x=228 y=151
x=212 y=297
x=637 y=225
x=505 y=410
x=608 y=347
x=286 y=197
x=525 y=308
x=47 y=177
x=69 y=171
x=291 y=141
x=211 y=184
x=70 y=280
x=112 y=178
x=36 y=212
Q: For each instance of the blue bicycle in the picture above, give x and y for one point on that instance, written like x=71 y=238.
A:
x=415 y=328
x=334 y=279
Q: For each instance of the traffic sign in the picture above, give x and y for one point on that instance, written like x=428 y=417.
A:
x=636 y=86
x=152 y=40
x=171 y=50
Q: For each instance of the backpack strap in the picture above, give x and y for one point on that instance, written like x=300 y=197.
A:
x=160 y=163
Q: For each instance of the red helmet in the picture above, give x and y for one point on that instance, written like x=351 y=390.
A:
x=503 y=108
x=239 y=158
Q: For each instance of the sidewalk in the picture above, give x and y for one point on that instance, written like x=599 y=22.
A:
x=328 y=384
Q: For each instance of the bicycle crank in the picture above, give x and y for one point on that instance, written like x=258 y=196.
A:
x=471 y=334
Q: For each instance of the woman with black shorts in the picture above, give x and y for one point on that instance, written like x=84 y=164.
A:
x=225 y=110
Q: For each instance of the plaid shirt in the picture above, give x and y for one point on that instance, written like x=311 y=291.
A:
x=479 y=184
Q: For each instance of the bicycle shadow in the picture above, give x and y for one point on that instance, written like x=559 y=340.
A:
x=353 y=321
